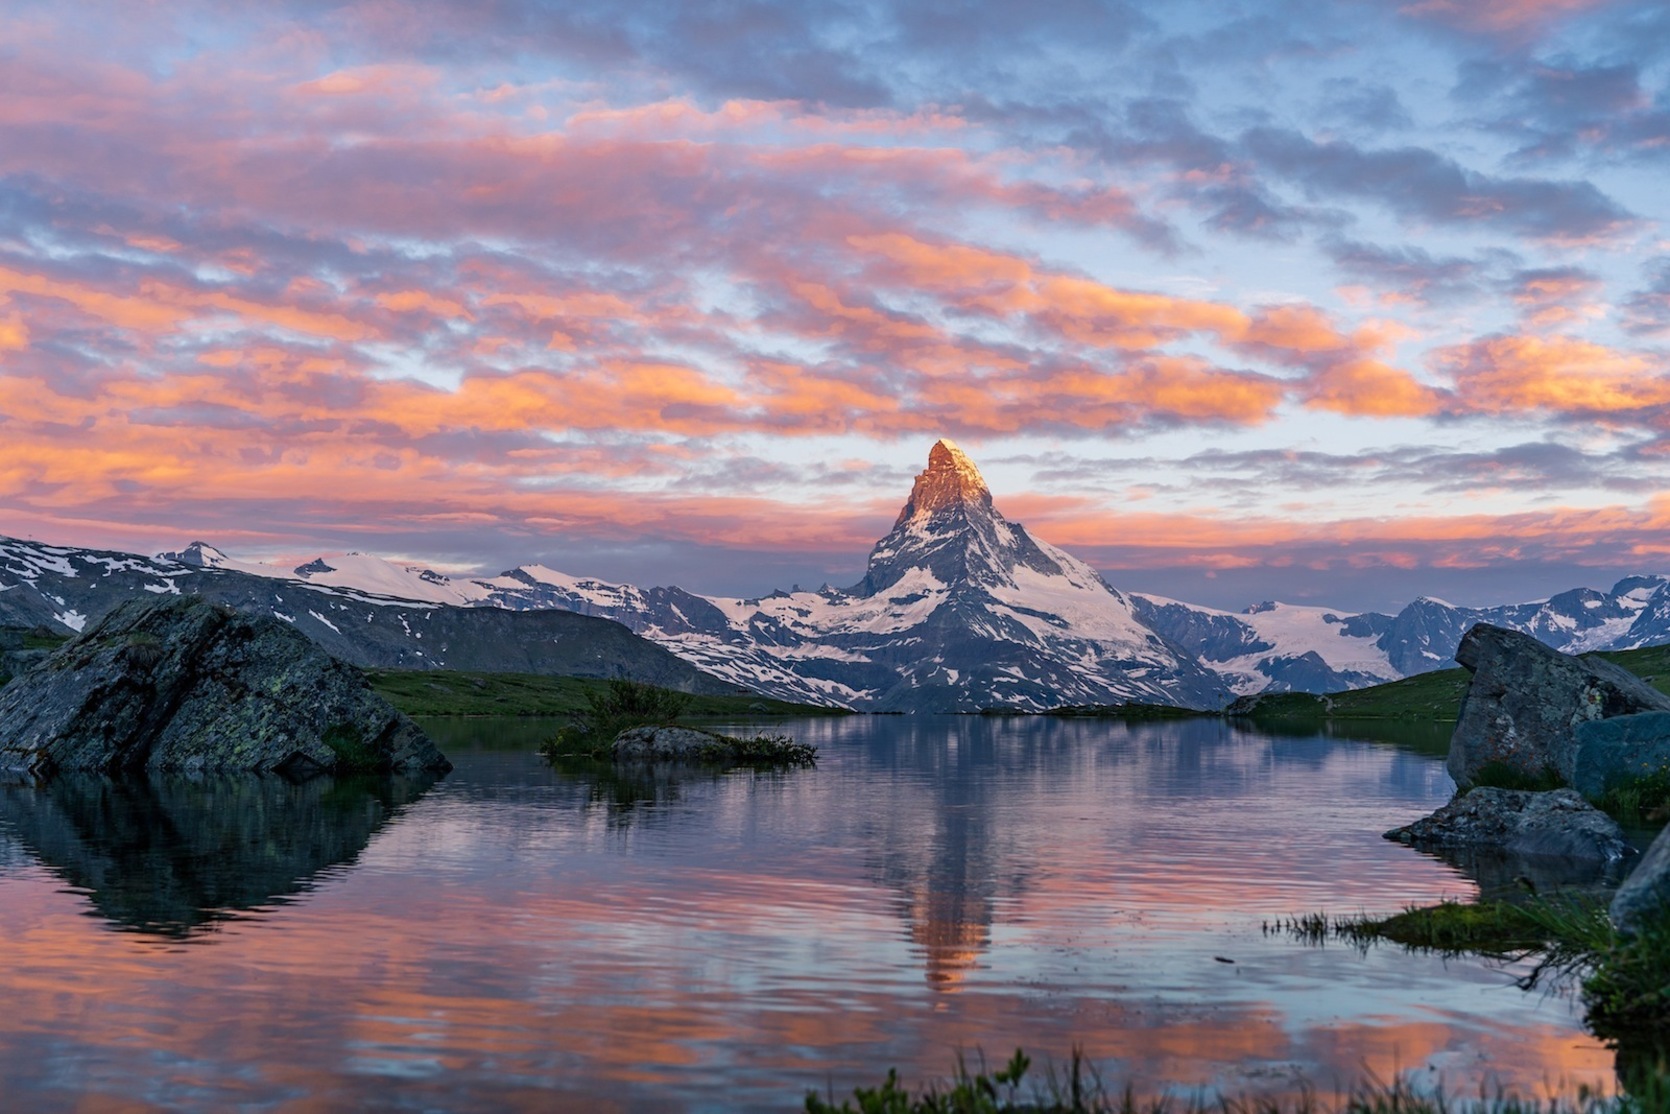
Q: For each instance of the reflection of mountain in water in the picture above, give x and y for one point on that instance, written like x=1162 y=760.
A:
x=173 y=854
x=942 y=849
x=944 y=836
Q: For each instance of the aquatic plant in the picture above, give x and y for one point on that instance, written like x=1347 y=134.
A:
x=1079 y=1090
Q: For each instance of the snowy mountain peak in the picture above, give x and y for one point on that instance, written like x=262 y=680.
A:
x=950 y=531
x=201 y=554
x=951 y=480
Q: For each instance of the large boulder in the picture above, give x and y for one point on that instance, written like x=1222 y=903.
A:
x=182 y=684
x=1618 y=750
x=1558 y=824
x=1645 y=895
x=1525 y=702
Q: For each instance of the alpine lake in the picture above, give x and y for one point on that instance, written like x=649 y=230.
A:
x=521 y=937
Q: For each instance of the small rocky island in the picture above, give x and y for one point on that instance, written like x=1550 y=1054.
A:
x=181 y=684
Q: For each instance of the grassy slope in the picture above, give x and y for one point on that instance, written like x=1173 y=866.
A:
x=1432 y=696
x=444 y=692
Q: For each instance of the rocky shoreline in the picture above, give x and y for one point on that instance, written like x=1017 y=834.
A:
x=1540 y=737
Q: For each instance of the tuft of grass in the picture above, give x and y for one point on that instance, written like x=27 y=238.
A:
x=1638 y=801
x=761 y=750
x=352 y=752
x=1624 y=981
x=1079 y=1090
x=1627 y=988
x=1561 y=928
x=1503 y=775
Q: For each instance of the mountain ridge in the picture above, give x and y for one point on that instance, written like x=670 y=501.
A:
x=958 y=609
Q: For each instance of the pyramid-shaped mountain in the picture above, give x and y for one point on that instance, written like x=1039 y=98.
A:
x=959 y=609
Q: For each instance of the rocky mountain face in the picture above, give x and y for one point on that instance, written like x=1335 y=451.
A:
x=958 y=609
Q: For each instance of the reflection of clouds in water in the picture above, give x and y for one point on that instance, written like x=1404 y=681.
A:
x=509 y=944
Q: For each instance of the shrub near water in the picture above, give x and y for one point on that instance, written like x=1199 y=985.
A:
x=621 y=705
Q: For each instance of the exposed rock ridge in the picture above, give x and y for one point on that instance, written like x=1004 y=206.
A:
x=951 y=529
x=950 y=480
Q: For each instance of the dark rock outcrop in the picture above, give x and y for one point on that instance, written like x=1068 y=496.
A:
x=182 y=684
x=1558 y=824
x=1525 y=701
x=1645 y=895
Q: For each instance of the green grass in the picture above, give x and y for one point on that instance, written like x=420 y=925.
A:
x=1079 y=1090
x=1500 y=775
x=1493 y=928
x=1432 y=696
x=445 y=692
x=352 y=752
x=622 y=704
x=1640 y=801
x=1622 y=980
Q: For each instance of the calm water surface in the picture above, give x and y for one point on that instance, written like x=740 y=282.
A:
x=514 y=937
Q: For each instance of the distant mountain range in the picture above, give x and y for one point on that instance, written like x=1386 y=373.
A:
x=959 y=609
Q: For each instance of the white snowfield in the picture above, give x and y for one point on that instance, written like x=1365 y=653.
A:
x=1293 y=630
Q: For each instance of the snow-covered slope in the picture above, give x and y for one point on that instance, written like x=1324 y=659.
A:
x=66 y=588
x=1276 y=646
x=958 y=609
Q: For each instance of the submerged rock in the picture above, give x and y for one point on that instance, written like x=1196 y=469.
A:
x=182 y=684
x=1644 y=897
x=1525 y=702
x=1558 y=824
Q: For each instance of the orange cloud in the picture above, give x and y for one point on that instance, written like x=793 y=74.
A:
x=1367 y=387
x=1508 y=374
x=405 y=301
x=1497 y=15
x=14 y=334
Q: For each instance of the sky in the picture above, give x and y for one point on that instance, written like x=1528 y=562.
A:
x=1336 y=303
